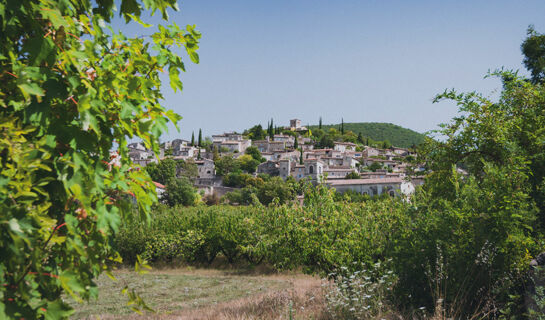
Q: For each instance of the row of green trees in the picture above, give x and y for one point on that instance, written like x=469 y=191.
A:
x=466 y=253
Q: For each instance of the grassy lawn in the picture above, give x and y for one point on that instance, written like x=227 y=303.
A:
x=199 y=294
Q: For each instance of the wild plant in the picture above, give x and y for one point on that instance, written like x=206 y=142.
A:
x=358 y=292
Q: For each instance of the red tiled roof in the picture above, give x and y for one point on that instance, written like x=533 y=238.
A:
x=158 y=185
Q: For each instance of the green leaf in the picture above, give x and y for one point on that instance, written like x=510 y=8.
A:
x=139 y=21
x=14 y=225
x=29 y=89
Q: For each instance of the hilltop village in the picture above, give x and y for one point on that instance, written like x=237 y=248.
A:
x=290 y=152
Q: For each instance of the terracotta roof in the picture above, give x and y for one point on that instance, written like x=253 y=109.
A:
x=158 y=185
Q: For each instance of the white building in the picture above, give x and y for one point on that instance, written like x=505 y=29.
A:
x=344 y=146
x=372 y=187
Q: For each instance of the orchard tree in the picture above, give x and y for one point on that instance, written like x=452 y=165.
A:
x=72 y=90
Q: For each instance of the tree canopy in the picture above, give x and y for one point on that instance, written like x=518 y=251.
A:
x=533 y=49
x=72 y=90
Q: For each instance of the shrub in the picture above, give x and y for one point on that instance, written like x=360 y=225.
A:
x=179 y=191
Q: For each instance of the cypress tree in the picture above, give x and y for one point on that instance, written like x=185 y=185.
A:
x=296 y=144
x=320 y=123
x=192 y=138
x=200 y=137
x=342 y=126
x=301 y=156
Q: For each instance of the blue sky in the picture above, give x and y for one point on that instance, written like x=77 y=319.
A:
x=364 y=61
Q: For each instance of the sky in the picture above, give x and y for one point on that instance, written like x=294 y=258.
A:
x=361 y=61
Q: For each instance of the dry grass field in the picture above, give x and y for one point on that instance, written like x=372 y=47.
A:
x=188 y=293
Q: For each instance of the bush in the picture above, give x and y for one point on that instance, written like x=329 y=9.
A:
x=179 y=191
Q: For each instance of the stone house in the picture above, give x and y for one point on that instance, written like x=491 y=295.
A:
x=338 y=171
x=269 y=156
x=269 y=146
x=400 y=151
x=185 y=152
x=370 y=152
x=206 y=169
x=285 y=168
x=295 y=124
x=332 y=161
x=344 y=146
x=298 y=172
x=385 y=163
x=275 y=146
x=292 y=155
x=233 y=145
x=314 y=169
x=289 y=140
x=176 y=145
x=227 y=136
x=261 y=145
x=271 y=168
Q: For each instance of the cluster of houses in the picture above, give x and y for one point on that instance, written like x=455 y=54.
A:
x=327 y=166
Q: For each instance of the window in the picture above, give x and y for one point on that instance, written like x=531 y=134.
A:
x=311 y=170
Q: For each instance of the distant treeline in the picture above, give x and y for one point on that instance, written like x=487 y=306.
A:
x=377 y=131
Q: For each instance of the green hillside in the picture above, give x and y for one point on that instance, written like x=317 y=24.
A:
x=379 y=131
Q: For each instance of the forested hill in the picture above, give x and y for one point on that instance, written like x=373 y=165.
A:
x=379 y=131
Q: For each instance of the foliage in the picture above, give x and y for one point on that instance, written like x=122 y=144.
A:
x=225 y=165
x=359 y=292
x=375 y=166
x=167 y=169
x=262 y=189
x=321 y=236
x=179 y=191
x=353 y=175
x=255 y=153
x=162 y=171
x=275 y=189
x=533 y=49
x=70 y=91
x=211 y=199
x=325 y=142
x=256 y=132
x=236 y=179
x=187 y=169
x=375 y=132
x=475 y=233
x=248 y=163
